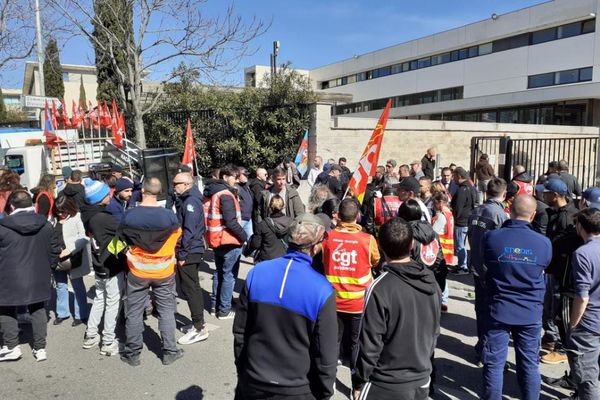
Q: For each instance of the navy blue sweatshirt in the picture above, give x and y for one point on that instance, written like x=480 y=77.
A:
x=190 y=214
x=516 y=256
x=246 y=201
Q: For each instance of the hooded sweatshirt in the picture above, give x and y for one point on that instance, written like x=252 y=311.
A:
x=400 y=326
x=28 y=248
x=270 y=237
x=76 y=191
x=427 y=250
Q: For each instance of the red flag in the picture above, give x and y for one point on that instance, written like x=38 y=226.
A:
x=65 y=115
x=51 y=138
x=367 y=165
x=83 y=114
x=117 y=134
x=93 y=116
x=54 y=115
x=75 y=119
x=189 y=152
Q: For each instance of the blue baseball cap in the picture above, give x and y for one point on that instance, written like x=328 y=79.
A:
x=554 y=185
x=592 y=196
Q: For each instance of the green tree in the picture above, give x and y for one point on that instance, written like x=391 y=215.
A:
x=113 y=17
x=256 y=127
x=53 y=75
x=3 y=114
x=82 y=97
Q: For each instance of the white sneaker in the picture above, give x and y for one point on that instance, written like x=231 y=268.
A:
x=10 y=355
x=90 y=341
x=40 y=355
x=193 y=336
x=110 y=349
x=186 y=328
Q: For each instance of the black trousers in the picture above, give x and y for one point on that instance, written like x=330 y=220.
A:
x=189 y=285
x=348 y=330
x=374 y=392
x=10 y=326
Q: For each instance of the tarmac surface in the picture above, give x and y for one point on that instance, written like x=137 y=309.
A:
x=207 y=371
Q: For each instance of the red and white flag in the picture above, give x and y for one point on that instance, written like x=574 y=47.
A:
x=117 y=134
x=189 y=152
x=367 y=166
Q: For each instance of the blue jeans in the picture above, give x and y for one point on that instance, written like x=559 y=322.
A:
x=460 y=237
x=227 y=261
x=445 y=295
x=62 y=296
x=583 y=350
x=247 y=227
x=526 y=341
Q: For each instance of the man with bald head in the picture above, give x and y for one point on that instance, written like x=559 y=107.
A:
x=515 y=257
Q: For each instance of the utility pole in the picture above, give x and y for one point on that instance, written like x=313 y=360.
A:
x=40 y=54
x=276 y=45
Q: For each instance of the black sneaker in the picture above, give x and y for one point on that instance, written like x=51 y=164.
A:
x=133 y=361
x=170 y=358
x=226 y=314
x=563 y=382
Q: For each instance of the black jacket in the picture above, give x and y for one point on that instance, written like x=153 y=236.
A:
x=75 y=191
x=561 y=232
x=190 y=214
x=540 y=222
x=102 y=227
x=463 y=202
x=246 y=201
x=269 y=237
x=28 y=249
x=400 y=327
x=428 y=166
x=285 y=329
x=571 y=182
x=227 y=208
x=427 y=250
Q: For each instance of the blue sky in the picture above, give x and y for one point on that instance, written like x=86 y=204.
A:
x=314 y=33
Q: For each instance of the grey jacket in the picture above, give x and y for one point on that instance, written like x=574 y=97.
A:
x=489 y=216
x=293 y=204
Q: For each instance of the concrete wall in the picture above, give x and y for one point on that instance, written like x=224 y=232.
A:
x=407 y=140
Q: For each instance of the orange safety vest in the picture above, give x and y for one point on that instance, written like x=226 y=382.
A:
x=386 y=208
x=216 y=232
x=158 y=265
x=347 y=266
x=447 y=239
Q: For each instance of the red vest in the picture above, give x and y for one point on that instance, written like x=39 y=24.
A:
x=386 y=208
x=216 y=232
x=524 y=187
x=447 y=239
x=348 y=268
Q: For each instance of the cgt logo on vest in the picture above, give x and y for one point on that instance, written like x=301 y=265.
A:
x=345 y=258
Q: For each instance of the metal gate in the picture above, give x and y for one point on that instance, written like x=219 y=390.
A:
x=535 y=154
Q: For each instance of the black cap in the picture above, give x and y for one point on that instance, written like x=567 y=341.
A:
x=335 y=167
x=409 y=184
x=116 y=168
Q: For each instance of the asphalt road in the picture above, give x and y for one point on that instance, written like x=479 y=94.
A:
x=207 y=371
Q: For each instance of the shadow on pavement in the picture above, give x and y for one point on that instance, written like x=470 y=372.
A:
x=152 y=341
x=194 y=392
x=459 y=324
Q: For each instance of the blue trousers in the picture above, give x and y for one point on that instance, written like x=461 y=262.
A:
x=62 y=296
x=583 y=351
x=526 y=340
x=460 y=249
x=227 y=262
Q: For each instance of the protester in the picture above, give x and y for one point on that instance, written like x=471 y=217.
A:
x=109 y=265
x=318 y=195
x=415 y=170
x=25 y=273
x=391 y=174
x=540 y=222
x=382 y=207
x=226 y=236
x=484 y=172
x=447 y=181
x=551 y=171
x=463 y=202
x=404 y=171
x=376 y=184
x=348 y=257
x=152 y=233
x=487 y=217
x=258 y=184
x=345 y=170
x=74 y=188
x=570 y=180
x=121 y=195
x=409 y=188
x=316 y=169
x=74 y=262
x=425 y=194
x=293 y=203
x=190 y=253
x=270 y=238
x=522 y=182
x=9 y=182
x=245 y=199
x=332 y=180
x=285 y=329
x=116 y=171
x=584 y=327
x=330 y=209
x=428 y=163
x=400 y=325
x=443 y=225
x=515 y=257
x=292 y=177
x=43 y=195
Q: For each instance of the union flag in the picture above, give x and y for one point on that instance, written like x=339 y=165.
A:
x=367 y=165
x=189 y=152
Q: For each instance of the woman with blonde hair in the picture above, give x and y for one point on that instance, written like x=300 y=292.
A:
x=270 y=237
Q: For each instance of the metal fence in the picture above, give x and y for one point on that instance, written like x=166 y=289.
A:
x=535 y=154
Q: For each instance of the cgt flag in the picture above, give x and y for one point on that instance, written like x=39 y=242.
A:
x=189 y=152
x=301 y=160
x=367 y=166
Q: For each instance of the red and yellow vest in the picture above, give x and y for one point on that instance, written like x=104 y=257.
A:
x=158 y=265
x=216 y=233
x=386 y=212
x=347 y=266
x=524 y=188
x=447 y=239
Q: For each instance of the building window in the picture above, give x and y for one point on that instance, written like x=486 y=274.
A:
x=560 y=77
x=509 y=116
x=414 y=65
x=325 y=85
x=361 y=76
x=381 y=72
x=588 y=26
x=585 y=74
x=473 y=51
x=541 y=80
x=405 y=67
x=564 y=77
x=485 y=49
x=351 y=79
x=396 y=69
x=545 y=35
x=569 y=30
x=424 y=62
x=488 y=116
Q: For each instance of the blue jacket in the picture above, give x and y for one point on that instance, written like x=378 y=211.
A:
x=116 y=208
x=515 y=257
x=488 y=217
x=246 y=201
x=190 y=213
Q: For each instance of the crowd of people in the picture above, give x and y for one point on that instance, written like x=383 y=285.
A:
x=336 y=282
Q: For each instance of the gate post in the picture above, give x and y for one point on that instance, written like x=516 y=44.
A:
x=505 y=158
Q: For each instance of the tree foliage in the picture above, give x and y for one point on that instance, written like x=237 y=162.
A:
x=254 y=127
x=2 y=107
x=53 y=75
